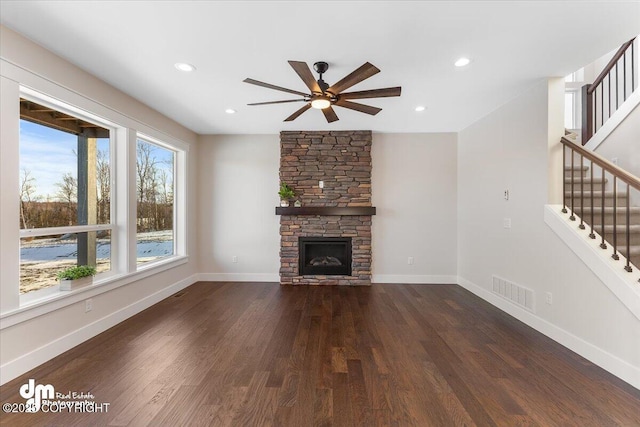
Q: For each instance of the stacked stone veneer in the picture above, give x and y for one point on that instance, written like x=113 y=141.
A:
x=342 y=159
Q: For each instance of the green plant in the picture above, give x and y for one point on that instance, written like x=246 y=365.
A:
x=73 y=273
x=286 y=192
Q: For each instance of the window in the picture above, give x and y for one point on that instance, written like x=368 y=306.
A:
x=65 y=194
x=572 y=110
x=155 y=171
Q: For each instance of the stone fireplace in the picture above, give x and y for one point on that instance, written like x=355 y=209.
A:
x=336 y=217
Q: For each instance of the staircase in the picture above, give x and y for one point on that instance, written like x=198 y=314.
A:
x=592 y=201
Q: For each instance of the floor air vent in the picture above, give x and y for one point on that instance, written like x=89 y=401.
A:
x=517 y=294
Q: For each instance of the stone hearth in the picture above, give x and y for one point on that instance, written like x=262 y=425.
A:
x=342 y=160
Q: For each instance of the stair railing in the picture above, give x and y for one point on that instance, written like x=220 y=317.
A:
x=619 y=72
x=574 y=192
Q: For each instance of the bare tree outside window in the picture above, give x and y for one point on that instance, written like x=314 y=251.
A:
x=154 y=170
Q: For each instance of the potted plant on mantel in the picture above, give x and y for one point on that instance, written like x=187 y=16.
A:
x=286 y=193
x=76 y=277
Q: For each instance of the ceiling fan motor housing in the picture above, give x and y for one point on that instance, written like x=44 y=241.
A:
x=321 y=67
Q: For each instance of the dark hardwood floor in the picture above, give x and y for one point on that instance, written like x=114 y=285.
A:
x=257 y=354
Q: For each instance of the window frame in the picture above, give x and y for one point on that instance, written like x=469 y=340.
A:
x=46 y=101
x=175 y=211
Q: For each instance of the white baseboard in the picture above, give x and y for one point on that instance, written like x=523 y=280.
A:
x=607 y=361
x=238 y=277
x=415 y=279
x=28 y=361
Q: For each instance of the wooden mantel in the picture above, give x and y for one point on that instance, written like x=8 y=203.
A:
x=327 y=211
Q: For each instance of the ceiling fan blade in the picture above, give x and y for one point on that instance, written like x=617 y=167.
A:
x=363 y=72
x=303 y=70
x=270 y=86
x=277 y=102
x=298 y=112
x=358 y=107
x=374 y=93
x=330 y=114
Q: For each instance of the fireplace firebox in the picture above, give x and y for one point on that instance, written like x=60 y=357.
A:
x=327 y=256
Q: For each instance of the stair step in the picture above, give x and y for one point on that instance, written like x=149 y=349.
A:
x=608 y=210
x=620 y=228
x=621 y=198
x=576 y=167
x=577 y=171
x=585 y=180
x=596 y=194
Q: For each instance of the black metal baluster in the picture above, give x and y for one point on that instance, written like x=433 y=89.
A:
x=601 y=104
x=633 y=75
x=624 y=74
x=617 y=86
x=592 y=234
x=609 y=95
x=572 y=217
x=628 y=266
x=581 y=226
x=564 y=179
x=603 y=245
x=595 y=111
x=615 y=219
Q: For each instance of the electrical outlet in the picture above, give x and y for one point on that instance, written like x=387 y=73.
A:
x=321 y=184
x=88 y=305
x=234 y=259
x=549 y=298
x=506 y=194
x=410 y=260
x=506 y=222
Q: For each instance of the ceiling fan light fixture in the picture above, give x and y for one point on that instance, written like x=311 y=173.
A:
x=321 y=103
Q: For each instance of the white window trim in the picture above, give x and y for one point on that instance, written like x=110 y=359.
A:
x=179 y=200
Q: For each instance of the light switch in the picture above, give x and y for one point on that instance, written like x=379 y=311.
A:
x=321 y=184
x=506 y=222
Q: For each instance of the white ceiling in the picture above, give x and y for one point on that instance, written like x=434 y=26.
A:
x=133 y=45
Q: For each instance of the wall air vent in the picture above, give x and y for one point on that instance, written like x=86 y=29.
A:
x=514 y=293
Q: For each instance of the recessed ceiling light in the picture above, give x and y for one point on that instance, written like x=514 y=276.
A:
x=183 y=66
x=462 y=62
x=230 y=111
x=421 y=108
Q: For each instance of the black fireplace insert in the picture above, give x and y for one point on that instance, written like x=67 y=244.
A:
x=330 y=256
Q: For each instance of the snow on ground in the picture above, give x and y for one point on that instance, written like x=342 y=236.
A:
x=42 y=259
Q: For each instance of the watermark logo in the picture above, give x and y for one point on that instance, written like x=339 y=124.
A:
x=35 y=394
x=44 y=398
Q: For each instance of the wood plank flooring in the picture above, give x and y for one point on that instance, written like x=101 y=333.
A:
x=257 y=354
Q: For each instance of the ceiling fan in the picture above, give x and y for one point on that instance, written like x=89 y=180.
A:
x=324 y=97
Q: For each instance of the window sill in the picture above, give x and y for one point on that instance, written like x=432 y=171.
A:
x=31 y=308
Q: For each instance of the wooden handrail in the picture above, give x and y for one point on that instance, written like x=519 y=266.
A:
x=618 y=237
x=610 y=65
x=614 y=170
x=595 y=111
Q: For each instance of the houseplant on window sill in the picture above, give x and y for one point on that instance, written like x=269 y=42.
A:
x=286 y=193
x=76 y=277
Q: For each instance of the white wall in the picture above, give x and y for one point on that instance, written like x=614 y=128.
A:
x=29 y=337
x=414 y=191
x=509 y=149
x=238 y=176
x=624 y=143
